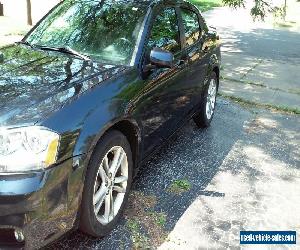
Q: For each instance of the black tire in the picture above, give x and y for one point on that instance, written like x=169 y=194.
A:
x=88 y=221
x=201 y=119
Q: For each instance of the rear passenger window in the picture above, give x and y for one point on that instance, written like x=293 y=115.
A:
x=191 y=26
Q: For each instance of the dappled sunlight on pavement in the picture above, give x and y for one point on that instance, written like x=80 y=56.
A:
x=243 y=174
x=260 y=60
x=258 y=187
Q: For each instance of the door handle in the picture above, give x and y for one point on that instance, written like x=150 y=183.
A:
x=181 y=64
x=206 y=49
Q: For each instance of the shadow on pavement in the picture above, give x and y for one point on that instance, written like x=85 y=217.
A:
x=260 y=178
x=153 y=211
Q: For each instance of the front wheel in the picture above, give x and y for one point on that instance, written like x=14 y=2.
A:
x=208 y=103
x=107 y=185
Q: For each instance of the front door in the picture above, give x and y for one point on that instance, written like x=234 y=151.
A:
x=164 y=103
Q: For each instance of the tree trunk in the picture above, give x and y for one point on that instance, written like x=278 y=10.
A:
x=1 y=9
x=29 y=14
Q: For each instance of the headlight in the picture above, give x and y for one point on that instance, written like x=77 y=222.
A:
x=27 y=148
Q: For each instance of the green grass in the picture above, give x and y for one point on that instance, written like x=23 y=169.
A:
x=133 y=225
x=139 y=240
x=294 y=91
x=159 y=218
x=284 y=25
x=205 y=5
x=180 y=186
x=244 y=82
x=248 y=103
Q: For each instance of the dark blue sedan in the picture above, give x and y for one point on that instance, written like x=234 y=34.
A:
x=90 y=93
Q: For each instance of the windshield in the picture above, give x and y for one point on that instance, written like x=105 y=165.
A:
x=103 y=30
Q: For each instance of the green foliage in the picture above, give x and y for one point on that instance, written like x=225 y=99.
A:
x=234 y=3
x=133 y=225
x=260 y=8
x=205 y=5
x=180 y=186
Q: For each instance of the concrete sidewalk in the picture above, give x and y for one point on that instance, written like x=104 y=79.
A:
x=261 y=61
x=11 y=30
x=261 y=95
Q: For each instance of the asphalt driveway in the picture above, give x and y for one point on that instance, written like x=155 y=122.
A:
x=243 y=173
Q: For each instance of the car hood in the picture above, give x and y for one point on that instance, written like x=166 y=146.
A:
x=35 y=83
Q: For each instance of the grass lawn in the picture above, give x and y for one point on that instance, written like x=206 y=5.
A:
x=205 y=5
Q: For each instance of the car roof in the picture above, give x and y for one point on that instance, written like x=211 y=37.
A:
x=152 y=2
x=148 y=3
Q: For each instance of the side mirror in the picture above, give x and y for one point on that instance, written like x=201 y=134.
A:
x=161 y=58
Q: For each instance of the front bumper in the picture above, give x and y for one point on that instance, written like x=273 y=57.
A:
x=39 y=204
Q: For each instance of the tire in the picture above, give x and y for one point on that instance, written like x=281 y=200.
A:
x=96 y=189
x=202 y=118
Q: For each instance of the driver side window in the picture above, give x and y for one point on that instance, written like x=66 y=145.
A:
x=165 y=32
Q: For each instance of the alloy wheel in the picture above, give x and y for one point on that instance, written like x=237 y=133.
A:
x=110 y=185
x=211 y=99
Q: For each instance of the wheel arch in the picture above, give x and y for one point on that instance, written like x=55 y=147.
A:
x=216 y=69
x=214 y=66
x=131 y=131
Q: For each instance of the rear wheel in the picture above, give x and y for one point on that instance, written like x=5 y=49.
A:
x=107 y=185
x=208 y=103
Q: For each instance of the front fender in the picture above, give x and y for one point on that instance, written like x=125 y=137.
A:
x=83 y=122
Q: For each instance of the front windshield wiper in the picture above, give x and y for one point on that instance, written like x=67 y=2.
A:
x=64 y=50
x=25 y=43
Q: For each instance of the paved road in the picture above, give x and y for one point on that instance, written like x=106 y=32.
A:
x=243 y=172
